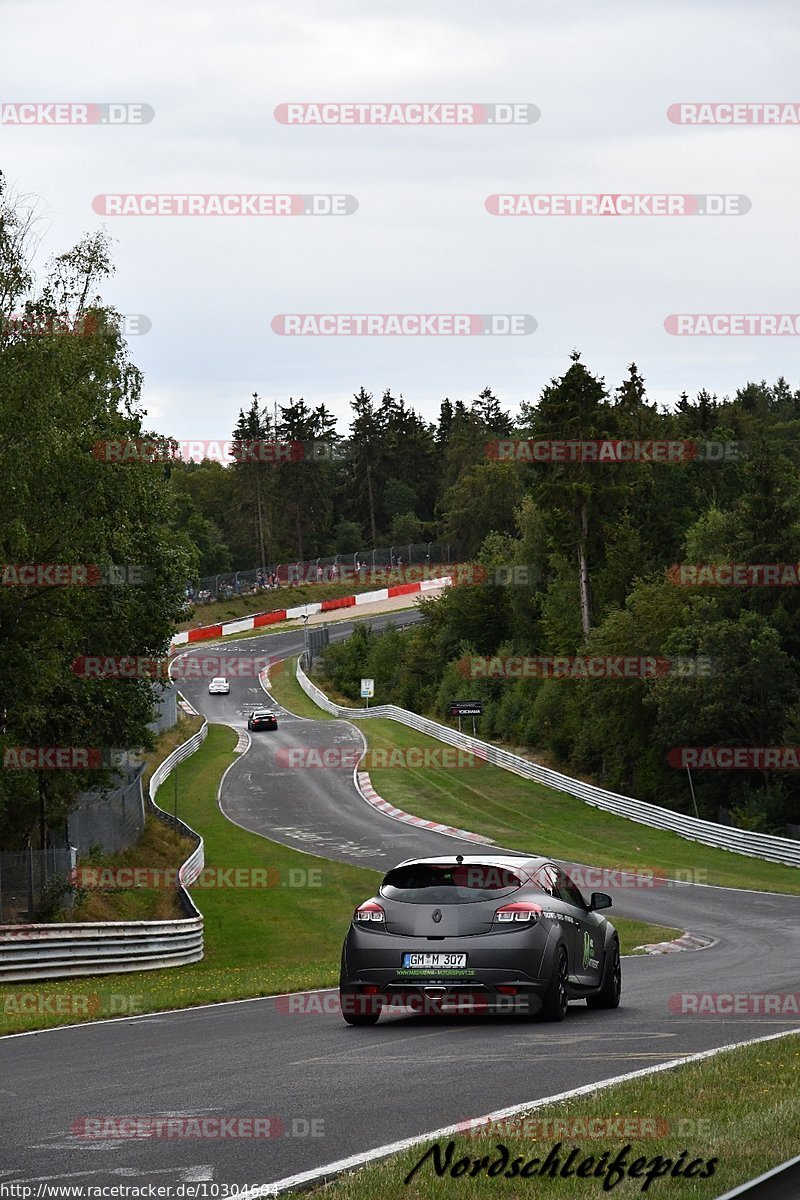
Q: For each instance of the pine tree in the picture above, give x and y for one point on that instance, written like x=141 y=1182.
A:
x=366 y=438
x=487 y=410
x=253 y=431
x=573 y=408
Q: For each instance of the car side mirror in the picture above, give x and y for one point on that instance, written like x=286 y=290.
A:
x=599 y=900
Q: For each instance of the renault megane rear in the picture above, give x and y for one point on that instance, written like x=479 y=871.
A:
x=479 y=933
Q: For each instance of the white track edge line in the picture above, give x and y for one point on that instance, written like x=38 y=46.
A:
x=721 y=887
x=163 y=1012
x=744 y=1188
x=330 y=1170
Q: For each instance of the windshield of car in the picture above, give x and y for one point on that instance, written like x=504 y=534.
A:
x=449 y=883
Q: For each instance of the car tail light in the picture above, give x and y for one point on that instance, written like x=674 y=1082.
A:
x=522 y=911
x=371 y=911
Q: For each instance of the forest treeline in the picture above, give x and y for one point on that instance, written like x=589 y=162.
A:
x=579 y=560
x=593 y=543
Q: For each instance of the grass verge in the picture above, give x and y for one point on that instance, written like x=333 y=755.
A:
x=291 y=597
x=741 y=1108
x=288 y=693
x=258 y=941
x=160 y=849
x=633 y=934
x=524 y=815
x=285 y=689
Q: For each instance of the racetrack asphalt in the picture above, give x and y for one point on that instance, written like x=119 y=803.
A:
x=339 y=1090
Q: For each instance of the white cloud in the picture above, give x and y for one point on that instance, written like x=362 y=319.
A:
x=421 y=240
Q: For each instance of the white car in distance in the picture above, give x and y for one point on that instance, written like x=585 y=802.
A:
x=219 y=686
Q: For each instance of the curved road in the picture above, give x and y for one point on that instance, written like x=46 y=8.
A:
x=336 y=1090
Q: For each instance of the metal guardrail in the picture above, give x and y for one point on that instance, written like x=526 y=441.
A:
x=191 y=869
x=740 y=841
x=68 y=949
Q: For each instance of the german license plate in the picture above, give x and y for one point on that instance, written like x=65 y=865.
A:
x=434 y=960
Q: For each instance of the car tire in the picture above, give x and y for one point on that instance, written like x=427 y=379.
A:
x=611 y=987
x=359 y=1018
x=555 y=999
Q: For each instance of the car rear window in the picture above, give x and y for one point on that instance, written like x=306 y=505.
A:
x=449 y=883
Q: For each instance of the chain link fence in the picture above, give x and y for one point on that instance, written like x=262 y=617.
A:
x=105 y=821
x=315 y=639
x=24 y=876
x=358 y=566
x=112 y=820
x=166 y=708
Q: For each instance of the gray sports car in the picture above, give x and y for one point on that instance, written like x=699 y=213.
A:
x=479 y=933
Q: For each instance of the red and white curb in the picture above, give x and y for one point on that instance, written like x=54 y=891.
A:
x=368 y=793
x=257 y=620
x=689 y=941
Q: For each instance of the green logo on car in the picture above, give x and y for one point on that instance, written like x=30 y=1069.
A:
x=587 y=949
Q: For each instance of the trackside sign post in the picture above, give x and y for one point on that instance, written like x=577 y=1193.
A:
x=367 y=690
x=466 y=708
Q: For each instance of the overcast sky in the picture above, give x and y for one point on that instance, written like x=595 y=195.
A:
x=603 y=76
